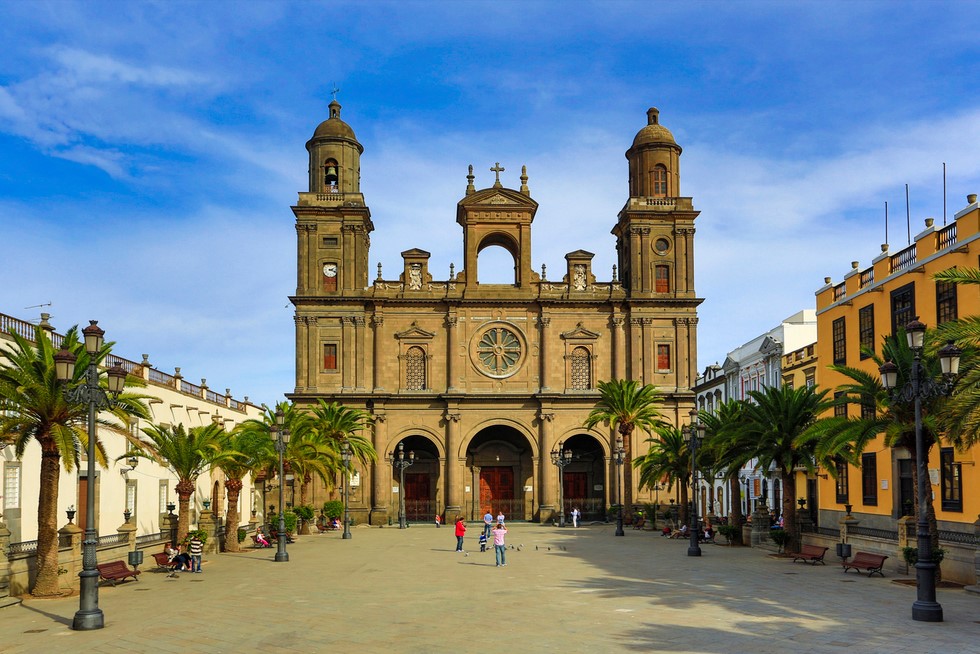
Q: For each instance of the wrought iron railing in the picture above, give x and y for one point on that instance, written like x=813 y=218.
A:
x=840 y=291
x=958 y=537
x=112 y=539
x=884 y=534
x=867 y=277
x=591 y=508
x=903 y=259
x=828 y=531
x=24 y=547
x=150 y=539
x=420 y=510
x=946 y=237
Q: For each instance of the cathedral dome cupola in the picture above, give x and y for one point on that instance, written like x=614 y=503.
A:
x=654 y=132
x=335 y=156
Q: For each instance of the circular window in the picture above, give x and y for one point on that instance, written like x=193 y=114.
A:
x=661 y=245
x=498 y=351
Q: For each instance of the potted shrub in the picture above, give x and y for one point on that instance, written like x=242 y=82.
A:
x=731 y=532
x=333 y=509
x=242 y=534
x=305 y=514
x=291 y=520
x=780 y=537
x=911 y=555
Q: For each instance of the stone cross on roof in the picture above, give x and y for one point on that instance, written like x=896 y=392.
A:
x=497 y=168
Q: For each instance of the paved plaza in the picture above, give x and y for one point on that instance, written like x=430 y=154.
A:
x=389 y=590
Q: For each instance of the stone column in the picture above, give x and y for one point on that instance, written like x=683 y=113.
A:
x=73 y=563
x=451 y=336
x=476 y=510
x=544 y=323
x=619 y=351
x=454 y=488
x=636 y=259
x=975 y=587
x=347 y=352
x=760 y=527
x=205 y=522
x=378 y=321
x=313 y=355
x=128 y=531
x=636 y=347
x=379 y=470
x=5 y=599
x=302 y=355
x=361 y=352
x=303 y=263
x=545 y=467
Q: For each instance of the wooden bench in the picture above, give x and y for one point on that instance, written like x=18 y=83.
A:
x=115 y=571
x=256 y=543
x=812 y=554
x=866 y=561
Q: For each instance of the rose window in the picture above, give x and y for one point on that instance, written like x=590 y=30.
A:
x=499 y=350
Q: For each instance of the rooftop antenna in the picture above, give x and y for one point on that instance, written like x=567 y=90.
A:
x=38 y=306
x=944 y=194
x=886 y=221
x=908 y=216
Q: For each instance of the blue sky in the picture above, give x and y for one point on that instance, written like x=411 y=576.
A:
x=149 y=151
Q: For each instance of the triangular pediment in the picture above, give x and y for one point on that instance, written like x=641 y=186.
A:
x=415 y=253
x=580 y=254
x=414 y=331
x=498 y=197
x=770 y=346
x=580 y=332
x=730 y=365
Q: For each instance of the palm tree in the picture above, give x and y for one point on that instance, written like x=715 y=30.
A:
x=730 y=451
x=776 y=421
x=961 y=419
x=845 y=437
x=250 y=448
x=35 y=409
x=626 y=404
x=668 y=458
x=187 y=453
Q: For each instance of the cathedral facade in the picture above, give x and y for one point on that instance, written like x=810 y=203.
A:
x=482 y=383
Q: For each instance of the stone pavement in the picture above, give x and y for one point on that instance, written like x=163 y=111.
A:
x=389 y=590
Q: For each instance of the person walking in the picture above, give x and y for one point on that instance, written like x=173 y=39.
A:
x=575 y=516
x=438 y=521
x=196 y=549
x=460 y=532
x=500 y=517
x=487 y=523
x=500 y=550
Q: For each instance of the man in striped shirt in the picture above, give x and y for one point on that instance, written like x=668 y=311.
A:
x=196 y=549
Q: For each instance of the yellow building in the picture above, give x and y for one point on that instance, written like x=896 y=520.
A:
x=861 y=310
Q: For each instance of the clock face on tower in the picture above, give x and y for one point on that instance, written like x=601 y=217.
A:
x=330 y=270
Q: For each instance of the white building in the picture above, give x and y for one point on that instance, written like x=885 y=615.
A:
x=144 y=490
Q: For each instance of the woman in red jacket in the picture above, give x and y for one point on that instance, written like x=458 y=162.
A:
x=460 y=532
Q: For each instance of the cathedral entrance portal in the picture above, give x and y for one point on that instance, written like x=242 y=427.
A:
x=584 y=486
x=422 y=481
x=501 y=468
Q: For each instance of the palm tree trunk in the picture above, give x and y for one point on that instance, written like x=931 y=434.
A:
x=789 y=510
x=234 y=488
x=184 y=488
x=685 y=508
x=735 y=491
x=47 y=583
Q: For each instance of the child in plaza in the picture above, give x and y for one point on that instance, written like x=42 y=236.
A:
x=460 y=532
x=483 y=542
x=500 y=550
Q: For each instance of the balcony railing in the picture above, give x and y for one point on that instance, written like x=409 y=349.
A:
x=946 y=237
x=867 y=277
x=840 y=291
x=904 y=259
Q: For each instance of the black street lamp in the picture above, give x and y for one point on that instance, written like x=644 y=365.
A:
x=401 y=463
x=925 y=608
x=561 y=458
x=281 y=434
x=89 y=616
x=694 y=434
x=619 y=456
x=345 y=456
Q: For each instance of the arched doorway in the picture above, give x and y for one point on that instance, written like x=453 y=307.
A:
x=422 y=480
x=501 y=464
x=584 y=483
